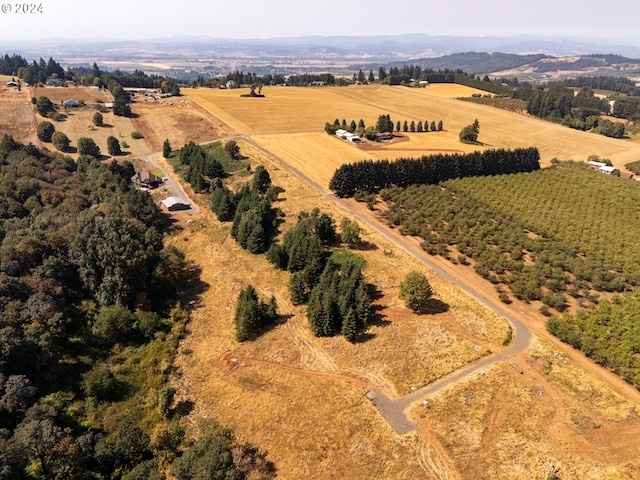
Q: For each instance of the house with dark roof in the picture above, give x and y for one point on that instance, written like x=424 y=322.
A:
x=146 y=179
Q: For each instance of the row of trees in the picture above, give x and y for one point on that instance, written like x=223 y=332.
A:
x=373 y=175
x=47 y=133
x=383 y=124
x=609 y=334
x=456 y=223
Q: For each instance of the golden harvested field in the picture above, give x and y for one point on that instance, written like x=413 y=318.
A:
x=300 y=397
x=290 y=109
x=17 y=117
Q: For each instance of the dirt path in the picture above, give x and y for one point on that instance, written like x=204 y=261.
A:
x=524 y=319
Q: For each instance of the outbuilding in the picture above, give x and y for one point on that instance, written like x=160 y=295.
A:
x=70 y=103
x=174 y=204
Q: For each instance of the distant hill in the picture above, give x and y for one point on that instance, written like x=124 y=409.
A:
x=186 y=58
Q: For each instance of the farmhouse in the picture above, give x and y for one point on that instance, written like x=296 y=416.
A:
x=54 y=82
x=174 y=204
x=146 y=179
x=352 y=137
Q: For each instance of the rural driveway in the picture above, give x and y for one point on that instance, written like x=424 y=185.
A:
x=174 y=188
x=393 y=410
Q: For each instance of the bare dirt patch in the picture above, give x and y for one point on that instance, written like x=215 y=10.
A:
x=177 y=119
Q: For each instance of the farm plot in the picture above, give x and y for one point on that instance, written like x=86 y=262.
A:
x=59 y=94
x=18 y=117
x=79 y=123
x=291 y=109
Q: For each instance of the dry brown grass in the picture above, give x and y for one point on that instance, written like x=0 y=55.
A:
x=500 y=424
x=537 y=416
x=290 y=109
x=497 y=425
x=17 y=117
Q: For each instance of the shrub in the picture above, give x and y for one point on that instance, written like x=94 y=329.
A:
x=98 y=119
x=136 y=135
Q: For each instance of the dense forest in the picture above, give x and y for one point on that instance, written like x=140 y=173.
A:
x=373 y=175
x=91 y=318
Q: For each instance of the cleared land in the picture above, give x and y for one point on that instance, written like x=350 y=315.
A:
x=557 y=415
x=18 y=115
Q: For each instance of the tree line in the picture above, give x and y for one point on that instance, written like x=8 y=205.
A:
x=373 y=175
x=383 y=124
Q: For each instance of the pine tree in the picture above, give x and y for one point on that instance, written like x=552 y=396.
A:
x=350 y=326
x=166 y=148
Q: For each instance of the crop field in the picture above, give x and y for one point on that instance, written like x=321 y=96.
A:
x=17 y=117
x=285 y=110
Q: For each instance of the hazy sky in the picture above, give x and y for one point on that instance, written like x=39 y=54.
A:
x=135 y=19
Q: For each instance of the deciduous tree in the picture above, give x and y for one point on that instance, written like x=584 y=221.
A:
x=415 y=291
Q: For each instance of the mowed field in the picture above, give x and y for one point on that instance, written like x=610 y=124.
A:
x=269 y=121
x=79 y=121
x=17 y=117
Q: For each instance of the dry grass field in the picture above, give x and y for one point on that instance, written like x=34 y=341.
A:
x=527 y=419
x=78 y=122
x=17 y=117
x=287 y=110
x=301 y=398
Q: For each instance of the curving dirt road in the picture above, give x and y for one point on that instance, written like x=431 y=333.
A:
x=393 y=410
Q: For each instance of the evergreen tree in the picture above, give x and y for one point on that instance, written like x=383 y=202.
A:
x=261 y=179
x=113 y=146
x=350 y=326
x=166 y=148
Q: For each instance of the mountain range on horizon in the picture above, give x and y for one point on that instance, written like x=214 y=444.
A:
x=377 y=48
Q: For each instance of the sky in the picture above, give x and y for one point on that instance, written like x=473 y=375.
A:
x=140 y=19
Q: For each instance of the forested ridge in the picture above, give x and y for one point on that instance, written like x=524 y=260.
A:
x=89 y=325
